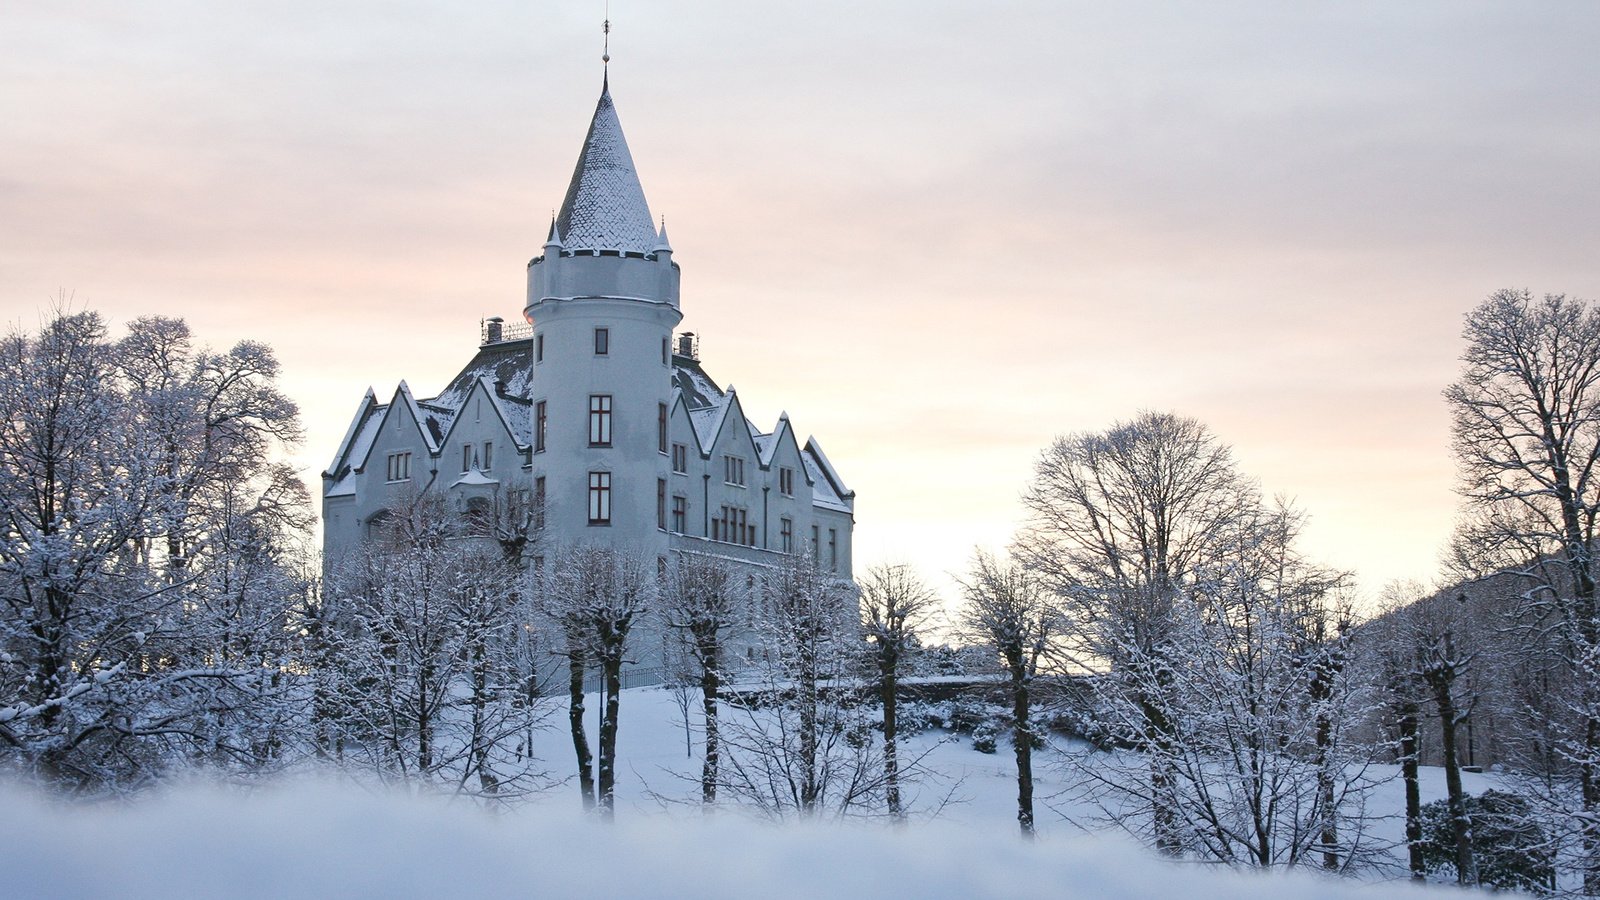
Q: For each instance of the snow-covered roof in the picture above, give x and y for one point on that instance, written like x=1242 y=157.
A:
x=605 y=207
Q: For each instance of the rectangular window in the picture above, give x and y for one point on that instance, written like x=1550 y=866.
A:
x=466 y=457
x=816 y=540
x=661 y=427
x=680 y=514
x=539 y=421
x=665 y=359
x=661 y=503
x=786 y=482
x=733 y=470
x=599 y=420
x=599 y=498
x=833 y=549
x=538 y=348
x=680 y=459
x=399 y=467
x=538 y=503
x=733 y=527
x=602 y=341
x=786 y=534
x=488 y=456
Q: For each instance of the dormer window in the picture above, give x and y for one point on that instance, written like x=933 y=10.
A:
x=786 y=481
x=602 y=341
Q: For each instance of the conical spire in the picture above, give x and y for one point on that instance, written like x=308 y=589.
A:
x=605 y=207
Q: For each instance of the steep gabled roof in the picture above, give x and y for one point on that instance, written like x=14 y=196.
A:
x=514 y=422
x=605 y=207
x=827 y=488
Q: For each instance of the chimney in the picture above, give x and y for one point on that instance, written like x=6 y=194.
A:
x=687 y=346
x=493 y=329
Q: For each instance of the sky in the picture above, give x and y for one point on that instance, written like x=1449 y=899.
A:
x=937 y=234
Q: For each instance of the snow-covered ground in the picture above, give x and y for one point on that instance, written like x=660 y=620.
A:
x=310 y=837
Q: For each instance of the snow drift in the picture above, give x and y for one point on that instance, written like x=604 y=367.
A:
x=325 y=839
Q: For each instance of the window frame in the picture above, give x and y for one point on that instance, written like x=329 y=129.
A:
x=733 y=467
x=398 y=467
x=600 y=498
x=602 y=341
x=680 y=459
x=541 y=425
x=601 y=410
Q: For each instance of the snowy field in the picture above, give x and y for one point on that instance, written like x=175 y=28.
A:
x=323 y=838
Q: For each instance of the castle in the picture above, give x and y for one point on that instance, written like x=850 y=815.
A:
x=594 y=415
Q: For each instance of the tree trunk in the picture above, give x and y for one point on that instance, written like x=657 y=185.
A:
x=1022 y=744
x=580 y=738
x=710 y=683
x=611 y=668
x=1460 y=820
x=888 y=684
x=810 y=782
x=1408 y=772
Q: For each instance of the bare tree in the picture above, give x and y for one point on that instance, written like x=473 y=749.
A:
x=597 y=594
x=895 y=607
x=1118 y=523
x=797 y=746
x=423 y=632
x=1009 y=611
x=702 y=605
x=1526 y=427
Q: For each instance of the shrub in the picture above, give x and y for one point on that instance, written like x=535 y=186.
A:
x=1508 y=843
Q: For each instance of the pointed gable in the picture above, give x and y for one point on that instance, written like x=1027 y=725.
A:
x=605 y=207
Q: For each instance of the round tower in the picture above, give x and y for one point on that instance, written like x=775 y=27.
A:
x=603 y=302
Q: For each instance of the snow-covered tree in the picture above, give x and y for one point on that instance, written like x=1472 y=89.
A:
x=596 y=595
x=1009 y=612
x=1526 y=427
x=701 y=605
x=147 y=544
x=1256 y=708
x=1119 y=521
x=895 y=608
x=422 y=629
x=798 y=746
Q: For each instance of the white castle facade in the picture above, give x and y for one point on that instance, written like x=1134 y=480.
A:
x=594 y=414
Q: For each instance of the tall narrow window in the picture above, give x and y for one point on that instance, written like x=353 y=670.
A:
x=661 y=503
x=733 y=470
x=466 y=457
x=816 y=540
x=786 y=481
x=538 y=503
x=539 y=421
x=538 y=348
x=680 y=514
x=602 y=341
x=488 y=456
x=665 y=359
x=680 y=459
x=599 y=498
x=786 y=534
x=661 y=427
x=599 y=420
x=833 y=549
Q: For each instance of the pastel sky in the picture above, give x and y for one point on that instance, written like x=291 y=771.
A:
x=938 y=234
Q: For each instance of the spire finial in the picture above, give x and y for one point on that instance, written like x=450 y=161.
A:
x=605 y=29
